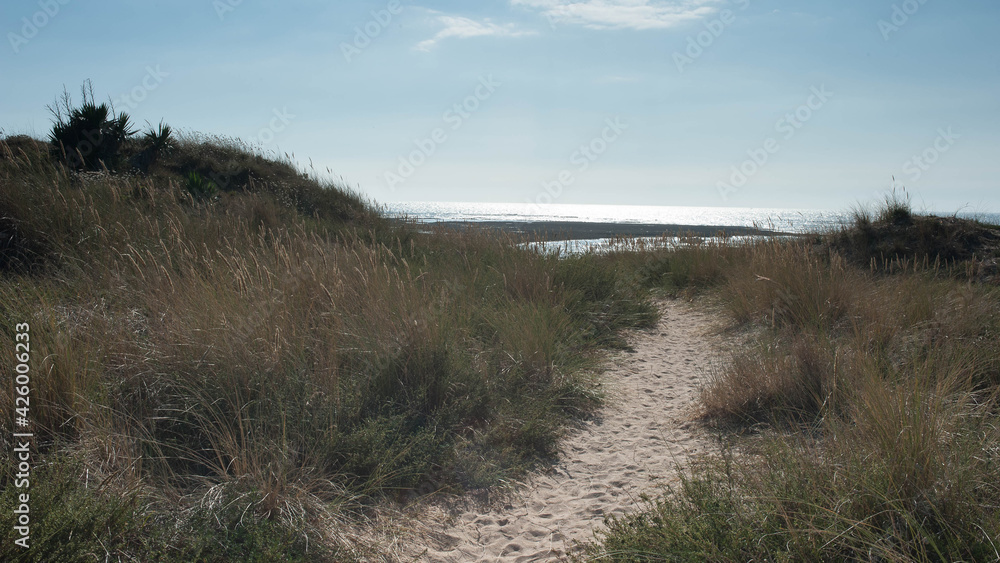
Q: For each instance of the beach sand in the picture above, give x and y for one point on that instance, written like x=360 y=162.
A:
x=631 y=446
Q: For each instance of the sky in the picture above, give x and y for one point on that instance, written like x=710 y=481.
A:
x=817 y=104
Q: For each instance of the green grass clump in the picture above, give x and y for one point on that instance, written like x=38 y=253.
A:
x=79 y=515
x=70 y=519
x=199 y=187
x=894 y=238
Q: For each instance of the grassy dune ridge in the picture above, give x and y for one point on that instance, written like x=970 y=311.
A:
x=233 y=361
x=237 y=369
x=859 y=416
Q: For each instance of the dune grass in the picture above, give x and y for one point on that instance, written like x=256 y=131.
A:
x=859 y=417
x=234 y=361
x=241 y=373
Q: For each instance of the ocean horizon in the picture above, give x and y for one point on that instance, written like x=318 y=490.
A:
x=769 y=218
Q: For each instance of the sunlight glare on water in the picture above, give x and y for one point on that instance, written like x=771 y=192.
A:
x=787 y=220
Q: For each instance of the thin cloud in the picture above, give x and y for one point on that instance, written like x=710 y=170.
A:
x=457 y=26
x=621 y=14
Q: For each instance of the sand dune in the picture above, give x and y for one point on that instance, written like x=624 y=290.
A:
x=634 y=443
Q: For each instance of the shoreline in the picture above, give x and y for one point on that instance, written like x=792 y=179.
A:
x=583 y=230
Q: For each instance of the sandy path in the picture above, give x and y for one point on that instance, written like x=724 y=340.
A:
x=639 y=438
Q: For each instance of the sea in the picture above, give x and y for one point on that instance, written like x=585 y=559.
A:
x=791 y=221
x=787 y=220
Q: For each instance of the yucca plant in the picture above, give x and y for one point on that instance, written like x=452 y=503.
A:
x=89 y=137
x=200 y=187
x=156 y=142
x=159 y=139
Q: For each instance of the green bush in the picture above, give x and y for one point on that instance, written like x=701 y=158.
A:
x=77 y=517
x=200 y=188
x=91 y=136
x=156 y=143
x=70 y=521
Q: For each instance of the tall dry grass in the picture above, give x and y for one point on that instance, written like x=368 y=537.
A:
x=860 y=411
x=260 y=366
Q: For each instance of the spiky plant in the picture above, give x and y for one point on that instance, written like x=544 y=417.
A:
x=160 y=139
x=200 y=187
x=156 y=142
x=91 y=136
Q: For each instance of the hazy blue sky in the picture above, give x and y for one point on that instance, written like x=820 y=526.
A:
x=819 y=102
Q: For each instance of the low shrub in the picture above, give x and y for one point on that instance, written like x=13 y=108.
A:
x=91 y=136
